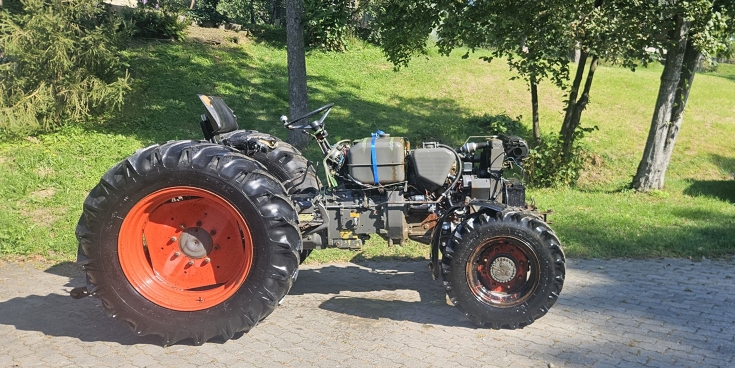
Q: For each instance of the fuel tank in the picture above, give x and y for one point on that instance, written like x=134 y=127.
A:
x=378 y=160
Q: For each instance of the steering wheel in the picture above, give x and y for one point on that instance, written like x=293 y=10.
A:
x=315 y=125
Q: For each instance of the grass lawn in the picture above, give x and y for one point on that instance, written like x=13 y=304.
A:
x=44 y=179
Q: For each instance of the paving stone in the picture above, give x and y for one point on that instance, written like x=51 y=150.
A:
x=393 y=314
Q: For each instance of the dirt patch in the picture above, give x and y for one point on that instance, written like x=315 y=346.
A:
x=42 y=194
x=216 y=36
x=44 y=171
x=43 y=217
x=594 y=172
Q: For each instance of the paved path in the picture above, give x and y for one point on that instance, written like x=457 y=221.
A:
x=616 y=313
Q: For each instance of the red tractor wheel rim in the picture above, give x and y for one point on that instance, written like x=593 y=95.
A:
x=503 y=272
x=185 y=248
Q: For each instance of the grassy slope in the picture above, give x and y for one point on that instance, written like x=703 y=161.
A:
x=44 y=179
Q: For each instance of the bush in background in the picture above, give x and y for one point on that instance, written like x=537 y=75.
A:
x=545 y=166
x=497 y=124
x=154 y=19
x=205 y=13
x=61 y=64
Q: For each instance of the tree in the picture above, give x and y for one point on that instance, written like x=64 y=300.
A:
x=531 y=36
x=694 y=28
x=297 y=93
x=534 y=37
x=59 y=63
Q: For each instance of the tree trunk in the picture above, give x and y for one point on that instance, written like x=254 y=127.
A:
x=574 y=113
x=534 y=111
x=252 y=11
x=566 y=131
x=297 y=94
x=672 y=96
x=692 y=59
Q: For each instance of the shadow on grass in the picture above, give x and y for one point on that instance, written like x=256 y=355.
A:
x=723 y=70
x=723 y=190
x=164 y=104
x=694 y=233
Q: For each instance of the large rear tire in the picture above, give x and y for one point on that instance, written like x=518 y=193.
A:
x=503 y=271
x=282 y=160
x=189 y=240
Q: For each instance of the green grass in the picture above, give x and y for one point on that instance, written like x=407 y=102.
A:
x=44 y=179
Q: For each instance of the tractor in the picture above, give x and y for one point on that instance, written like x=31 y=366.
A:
x=202 y=239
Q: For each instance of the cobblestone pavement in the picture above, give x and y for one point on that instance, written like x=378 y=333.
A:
x=612 y=313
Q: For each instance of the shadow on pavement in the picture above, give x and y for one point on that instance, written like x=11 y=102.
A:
x=430 y=308
x=60 y=315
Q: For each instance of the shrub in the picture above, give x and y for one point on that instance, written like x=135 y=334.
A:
x=205 y=13
x=546 y=167
x=156 y=20
x=497 y=124
x=61 y=63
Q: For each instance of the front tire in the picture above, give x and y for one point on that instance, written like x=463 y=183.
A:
x=503 y=271
x=189 y=240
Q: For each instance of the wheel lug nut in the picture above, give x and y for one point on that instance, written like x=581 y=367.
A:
x=177 y=254
x=212 y=232
x=206 y=260
x=173 y=239
x=190 y=263
x=199 y=223
x=182 y=226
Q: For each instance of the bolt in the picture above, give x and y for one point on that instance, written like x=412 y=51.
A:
x=199 y=223
x=177 y=254
x=206 y=260
x=213 y=232
x=201 y=299
x=173 y=239
x=182 y=226
x=190 y=263
x=216 y=247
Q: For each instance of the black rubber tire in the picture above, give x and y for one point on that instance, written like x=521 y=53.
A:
x=283 y=161
x=260 y=199
x=543 y=250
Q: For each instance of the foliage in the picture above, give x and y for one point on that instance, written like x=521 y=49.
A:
x=497 y=124
x=206 y=13
x=246 y=11
x=546 y=167
x=61 y=64
x=364 y=21
x=156 y=20
x=326 y=24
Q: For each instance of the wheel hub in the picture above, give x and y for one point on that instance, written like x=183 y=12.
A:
x=500 y=266
x=502 y=269
x=195 y=242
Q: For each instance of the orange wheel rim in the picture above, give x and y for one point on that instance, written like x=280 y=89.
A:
x=185 y=248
